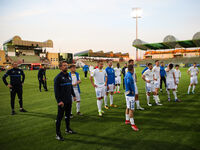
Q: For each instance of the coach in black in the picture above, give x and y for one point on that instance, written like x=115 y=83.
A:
x=17 y=78
x=63 y=92
x=42 y=78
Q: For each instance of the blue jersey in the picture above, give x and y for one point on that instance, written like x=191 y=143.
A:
x=129 y=84
x=85 y=68
x=110 y=75
x=162 y=71
x=145 y=69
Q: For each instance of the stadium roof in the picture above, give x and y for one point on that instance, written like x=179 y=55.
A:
x=90 y=53
x=169 y=42
x=16 y=40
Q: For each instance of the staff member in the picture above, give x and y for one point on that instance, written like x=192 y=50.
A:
x=63 y=92
x=42 y=78
x=16 y=83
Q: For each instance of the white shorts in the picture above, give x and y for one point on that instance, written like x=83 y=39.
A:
x=193 y=80
x=136 y=89
x=77 y=94
x=157 y=83
x=130 y=102
x=100 y=91
x=150 y=87
x=111 y=88
x=118 y=80
x=171 y=84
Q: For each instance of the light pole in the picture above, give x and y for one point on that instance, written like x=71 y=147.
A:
x=136 y=13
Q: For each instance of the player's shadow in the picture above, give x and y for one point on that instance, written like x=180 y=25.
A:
x=104 y=142
x=40 y=114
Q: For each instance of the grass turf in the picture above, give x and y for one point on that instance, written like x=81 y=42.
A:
x=171 y=126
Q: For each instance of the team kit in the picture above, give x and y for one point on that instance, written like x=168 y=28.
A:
x=106 y=83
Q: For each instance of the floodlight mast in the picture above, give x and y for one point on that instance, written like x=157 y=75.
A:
x=136 y=13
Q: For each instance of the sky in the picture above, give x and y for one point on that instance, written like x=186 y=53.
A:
x=77 y=25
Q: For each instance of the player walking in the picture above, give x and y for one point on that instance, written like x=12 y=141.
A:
x=171 y=82
x=85 y=70
x=156 y=74
x=130 y=97
x=117 y=78
x=110 y=85
x=131 y=62
x=75 y=77
x=99 y=83
x=124 y=73
x=148 y=77
x=193 y=73
x=91 y=68
x=162 y=76
x=177 y=76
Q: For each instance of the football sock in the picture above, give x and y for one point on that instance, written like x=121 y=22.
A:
x=78 y=107
x=148 y=99
x=127 y=117
x=118 y=88
x=193 y=88
x=158 y=97
x=132 y=121
x=99 y=103
x=168 y=93
x=175 y=95
x=137 y=103
x=155 y=98
x=105 y=100
x=111 y=99
x=189 y=89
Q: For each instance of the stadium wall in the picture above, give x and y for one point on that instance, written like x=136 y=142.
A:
x=2 y=57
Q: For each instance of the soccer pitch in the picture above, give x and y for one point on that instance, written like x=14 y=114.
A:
x=171 y=126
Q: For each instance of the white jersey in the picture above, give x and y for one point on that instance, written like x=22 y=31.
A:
x=177 y=74
x=91 y=68
x=117 y=71
x=74 y=79
x=99 y=77
x=193 y=71
x=170 y=73
x=148 y=75
x=156 y=71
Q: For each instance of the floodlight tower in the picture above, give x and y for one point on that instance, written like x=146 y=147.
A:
x=136 y=13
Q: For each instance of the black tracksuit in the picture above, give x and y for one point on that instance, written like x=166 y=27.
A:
x=63 y=92
x=42 y=81
x=124 y=73
x=16 y=81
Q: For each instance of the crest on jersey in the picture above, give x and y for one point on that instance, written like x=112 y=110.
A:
x=18 y=72
x=63 y=78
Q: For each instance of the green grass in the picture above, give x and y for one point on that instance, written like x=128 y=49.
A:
x=171 y=126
